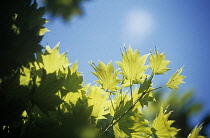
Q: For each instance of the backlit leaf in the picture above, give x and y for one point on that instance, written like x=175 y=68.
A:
x=44 y=95
x=99 y=100
x=107 y=76
x=42 y=31
x=73 y=97
x=158 y=64
x=132 y=67
x=73 y=81
x=161 y=126
x=141 y=127
x=145 y=85
x=131 y=124
x=146 y=97
x=195 y=132
x=53 y=61
x=25 y=77
x=175 y=80
x=123 y=128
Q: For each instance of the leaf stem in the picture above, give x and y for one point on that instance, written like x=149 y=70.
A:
x=131 y=107
x=131 y=92
x=111 y=100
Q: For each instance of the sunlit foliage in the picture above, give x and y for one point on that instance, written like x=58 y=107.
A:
x=52 y=98
x=43 y=95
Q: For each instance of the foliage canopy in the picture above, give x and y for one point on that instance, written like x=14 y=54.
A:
x=43 y=95
x=53 y=97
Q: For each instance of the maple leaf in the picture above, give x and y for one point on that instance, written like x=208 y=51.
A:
x=145 y=91
x=131 y=124
x=42 y=31
x=53 y=61
x=161 y=126
x=132 y=67
x=25 y=77
x=107 y=76
x=175 y=80
x=158 y=64
x=73 y=81
x=195 y=132
x=98 y=99
x=71 y=98
x=141 y=127
x=45 y=94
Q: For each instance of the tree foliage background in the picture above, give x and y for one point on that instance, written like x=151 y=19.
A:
x=43 y=95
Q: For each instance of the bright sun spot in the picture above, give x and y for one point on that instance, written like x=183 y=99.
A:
x=137 y=25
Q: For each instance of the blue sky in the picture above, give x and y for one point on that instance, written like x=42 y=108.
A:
x=180 y=29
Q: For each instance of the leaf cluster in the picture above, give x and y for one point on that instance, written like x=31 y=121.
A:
x=43 y=95
x=21 y=31
x=183 y=106
x=134 y=91
x=48 y=98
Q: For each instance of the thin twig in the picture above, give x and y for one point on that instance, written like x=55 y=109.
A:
x=131 y=107
x=118 y=107
x=111 y=100
x=131 y=92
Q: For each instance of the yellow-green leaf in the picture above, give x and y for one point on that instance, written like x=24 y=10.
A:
x=141 y=127
x=123 y=128
x=45 y=94
x=72 y=97
x=42 y=31
x=53 y=61
x=131 y=124
x=161 y=126
x=99 y=100
x=146 y=98
x=195 y=132
x=158 y=64
x=107 y=76
x=175 y=80
x=25 y=77
x=132 y=67
x=73 y=81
